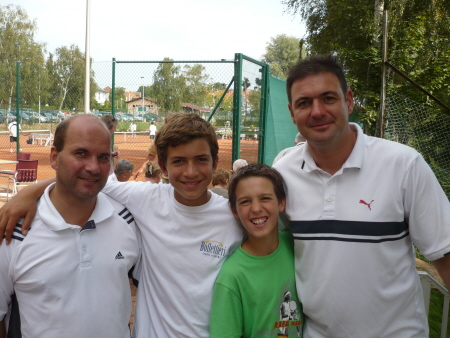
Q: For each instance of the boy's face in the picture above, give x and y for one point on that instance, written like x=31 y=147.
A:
x=257 y=207
x=190 y=168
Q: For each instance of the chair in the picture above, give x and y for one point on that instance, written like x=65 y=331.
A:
x=23 y=156
x=26 y=172
x=20 y=156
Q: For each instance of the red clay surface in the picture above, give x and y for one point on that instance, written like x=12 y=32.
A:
x=132 y=149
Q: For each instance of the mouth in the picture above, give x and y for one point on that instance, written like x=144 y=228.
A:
x=260 y=221
x=191 y=185
x=90 y=180
x=320 y=125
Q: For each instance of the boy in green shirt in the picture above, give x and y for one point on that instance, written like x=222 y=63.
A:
x=254 y=294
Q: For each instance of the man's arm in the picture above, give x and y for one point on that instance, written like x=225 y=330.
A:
x=443 y=267
x=24 y=204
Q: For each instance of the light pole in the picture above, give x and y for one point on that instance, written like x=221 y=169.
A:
x=142 y=95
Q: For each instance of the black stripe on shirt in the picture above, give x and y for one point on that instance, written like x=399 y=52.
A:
x=17 y=233
x=349 y=231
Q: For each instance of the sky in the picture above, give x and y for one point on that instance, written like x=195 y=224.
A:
x=152 y=30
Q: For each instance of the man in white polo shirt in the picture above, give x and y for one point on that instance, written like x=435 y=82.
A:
x=69 y=273
x=356 y=204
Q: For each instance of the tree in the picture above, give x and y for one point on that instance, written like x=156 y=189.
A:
x=418 y=44
x=168 y=86
x=119 y=97
x=17 y=44
x=67 y=69
x=196 y=85
x=281 y=54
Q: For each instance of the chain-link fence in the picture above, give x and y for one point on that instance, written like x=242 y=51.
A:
x=231 y=94
x=416 y=118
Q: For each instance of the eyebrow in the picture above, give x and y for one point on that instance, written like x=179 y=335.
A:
x=320 y=95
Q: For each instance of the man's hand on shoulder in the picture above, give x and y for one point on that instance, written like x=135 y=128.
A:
x=23 y=205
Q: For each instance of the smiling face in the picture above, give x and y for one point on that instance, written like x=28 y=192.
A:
x=257 y=207
x=320 y=109
x=190 y=167
x=82 y=166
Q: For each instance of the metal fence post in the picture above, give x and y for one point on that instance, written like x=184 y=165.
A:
x=237 y=106
x=17 y=106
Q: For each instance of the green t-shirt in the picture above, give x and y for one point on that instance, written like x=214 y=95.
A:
x=255 y=296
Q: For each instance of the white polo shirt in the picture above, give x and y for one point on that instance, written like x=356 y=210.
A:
x=71 y=281
x=183 y=249
x=353 y=231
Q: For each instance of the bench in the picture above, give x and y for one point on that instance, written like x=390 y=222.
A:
x=45 y=139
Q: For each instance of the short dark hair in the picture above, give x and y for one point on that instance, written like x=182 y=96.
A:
x=61 y=130
x=315 y=65
x=256 y=170
x=182 y=128
x=109 y=120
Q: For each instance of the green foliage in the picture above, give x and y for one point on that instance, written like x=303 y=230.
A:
x=17 y=43
x=419 y=44
x=281 y=54
x=173 y=85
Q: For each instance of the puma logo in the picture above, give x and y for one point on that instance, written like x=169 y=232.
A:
x=368 y=204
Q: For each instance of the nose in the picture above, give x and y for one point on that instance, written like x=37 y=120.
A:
x=256 y=207
x=92 y=165
x=191 y=169
x=317 y=109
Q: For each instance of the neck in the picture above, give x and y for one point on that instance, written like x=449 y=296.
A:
x=73 y=210
x=331 y=159
x=261 y=246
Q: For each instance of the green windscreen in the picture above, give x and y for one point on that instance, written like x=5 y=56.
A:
x=280 y=131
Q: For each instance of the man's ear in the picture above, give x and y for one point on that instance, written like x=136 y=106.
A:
x=350 y=101
x=54 y=158
x=163 y=169
x=292 y=114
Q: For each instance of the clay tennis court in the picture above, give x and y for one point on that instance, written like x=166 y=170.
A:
x=132 y=149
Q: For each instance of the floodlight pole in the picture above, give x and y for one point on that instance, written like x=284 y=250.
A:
x=142 y=95
x=87 y=83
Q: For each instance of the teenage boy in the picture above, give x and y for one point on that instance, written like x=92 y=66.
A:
x=187 y=231
x=254 y=294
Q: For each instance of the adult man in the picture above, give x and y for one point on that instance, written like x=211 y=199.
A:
x=122 y=171
x=356 y=204
x=13 y=127
x=70 y=272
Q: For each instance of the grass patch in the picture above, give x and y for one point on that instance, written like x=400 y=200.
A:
x=435 y=314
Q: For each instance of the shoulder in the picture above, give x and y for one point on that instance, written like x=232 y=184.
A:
x=387 y=151
x=120 y=210
x=231 y=266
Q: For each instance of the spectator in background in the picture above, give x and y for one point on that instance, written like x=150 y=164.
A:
x=152 y=130
x=220 y=182
x=122 y=172
x=12 y=127
x=239 y=164
x=132 y=129
x=152 y=172
x=299 y=139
